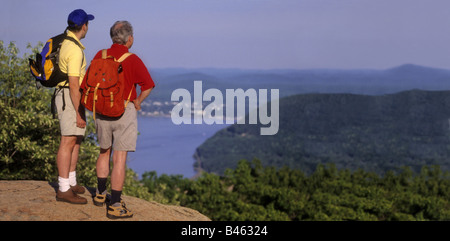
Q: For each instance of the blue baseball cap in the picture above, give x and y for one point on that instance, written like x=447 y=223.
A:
x=79 y=17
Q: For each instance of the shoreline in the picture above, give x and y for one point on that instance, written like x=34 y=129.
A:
x=168 y=148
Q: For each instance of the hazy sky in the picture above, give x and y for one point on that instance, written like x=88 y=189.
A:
x=257 y=34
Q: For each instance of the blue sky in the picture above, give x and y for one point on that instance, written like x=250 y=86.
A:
x=252 y=34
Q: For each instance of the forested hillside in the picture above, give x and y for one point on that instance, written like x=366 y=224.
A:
x=375 y=133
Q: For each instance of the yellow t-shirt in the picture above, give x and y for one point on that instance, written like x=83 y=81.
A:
x=71 y=58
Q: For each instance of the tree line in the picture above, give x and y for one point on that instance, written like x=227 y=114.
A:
x=253 y=192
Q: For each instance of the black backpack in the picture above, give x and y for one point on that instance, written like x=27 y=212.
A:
x=45 y=68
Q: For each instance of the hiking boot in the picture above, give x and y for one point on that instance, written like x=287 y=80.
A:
x=118 y=210
x=100 y=199
x=70 y=197
x=77 y=189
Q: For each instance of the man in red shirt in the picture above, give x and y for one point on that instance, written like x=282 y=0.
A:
x=120 y=134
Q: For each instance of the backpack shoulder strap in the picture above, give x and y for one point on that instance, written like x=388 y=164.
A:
x=73 y=40
x=104 y=53
x=78 y=44
x=123 y=57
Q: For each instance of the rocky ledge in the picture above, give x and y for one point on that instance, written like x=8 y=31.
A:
x=35 y=201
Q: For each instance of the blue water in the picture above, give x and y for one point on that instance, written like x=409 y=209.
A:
x=168 y=148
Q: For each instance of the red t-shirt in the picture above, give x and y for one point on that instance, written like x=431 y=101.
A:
x=134 y=70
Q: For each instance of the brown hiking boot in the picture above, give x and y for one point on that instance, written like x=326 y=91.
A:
x=118 y=210
x=77 y=189
x=70 y=197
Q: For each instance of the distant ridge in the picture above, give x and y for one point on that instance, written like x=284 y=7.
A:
x=275 y=70
x=414 y=67
x=299 y=81
x=408 y=70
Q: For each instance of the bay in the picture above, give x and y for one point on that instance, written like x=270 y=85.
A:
x=167 y=148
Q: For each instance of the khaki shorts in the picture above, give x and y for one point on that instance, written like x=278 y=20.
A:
x=68 y=116
x=120 y=133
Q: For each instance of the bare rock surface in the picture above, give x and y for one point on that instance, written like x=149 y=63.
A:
x=35 y=200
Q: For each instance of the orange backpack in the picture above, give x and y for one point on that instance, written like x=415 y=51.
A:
x=103 y=86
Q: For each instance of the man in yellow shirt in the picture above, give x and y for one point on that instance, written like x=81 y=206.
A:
x=71 y=113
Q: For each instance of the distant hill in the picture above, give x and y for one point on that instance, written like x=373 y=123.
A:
x=291 y=81
x=375 y=133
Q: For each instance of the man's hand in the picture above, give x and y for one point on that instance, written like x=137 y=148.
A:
x=137 y=104
x=81 y=122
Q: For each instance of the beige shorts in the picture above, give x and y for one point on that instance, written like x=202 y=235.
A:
x=120 y=133
x=68 y=116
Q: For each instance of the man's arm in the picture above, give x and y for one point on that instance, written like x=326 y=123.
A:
x=144 y=94
x=75 y=96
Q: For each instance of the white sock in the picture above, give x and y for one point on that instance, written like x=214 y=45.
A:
x=73 y=178
x=63 y=184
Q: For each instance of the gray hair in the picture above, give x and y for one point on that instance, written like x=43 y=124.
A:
x=120 y=32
